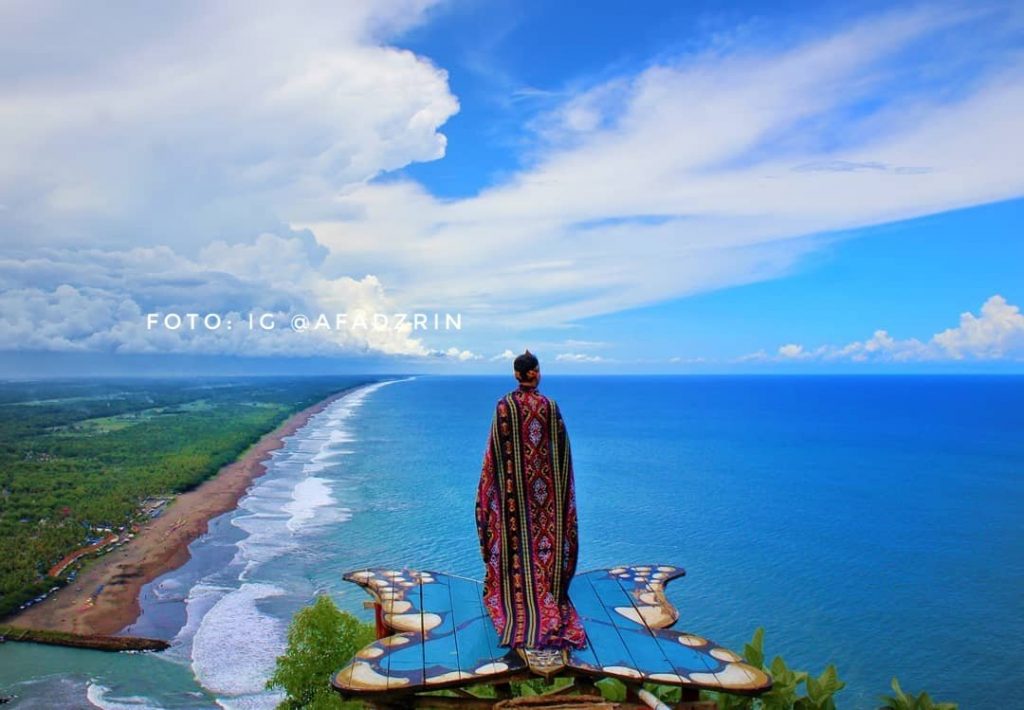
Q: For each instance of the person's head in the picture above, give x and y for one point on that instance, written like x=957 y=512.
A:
x=527 y=369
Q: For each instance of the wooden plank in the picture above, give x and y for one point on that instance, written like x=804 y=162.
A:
x=730 y=672
x=405 y=661
x=399 y=594
x=366 y=672
x=645 y=585
x=689 y=654
x=682 y=659
x=615 y=658
x=643 y=647
x=474 y=635
x=480 y=651
x=440 y=649
x=369 y=669
x=695 y=660
x=585 y=658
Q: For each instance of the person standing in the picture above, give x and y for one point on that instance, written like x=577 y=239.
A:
x=526 y=519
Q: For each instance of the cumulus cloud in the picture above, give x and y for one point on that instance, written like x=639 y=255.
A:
x=792 y=351
x=204 y=121
x=210 y=128
x=996 y=333
x=74 y=300
x=454 y=353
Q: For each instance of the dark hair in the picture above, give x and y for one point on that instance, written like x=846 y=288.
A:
x=525 y=362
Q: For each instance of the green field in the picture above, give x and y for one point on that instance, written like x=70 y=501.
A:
x=77 y=456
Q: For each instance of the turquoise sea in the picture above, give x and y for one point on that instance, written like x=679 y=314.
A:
x=870 y=522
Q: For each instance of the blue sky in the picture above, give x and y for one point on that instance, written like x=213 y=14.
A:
x=671 y=187
x=906 y=277
x=509 y=60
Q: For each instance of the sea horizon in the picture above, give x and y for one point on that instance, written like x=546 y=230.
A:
x=829 y=514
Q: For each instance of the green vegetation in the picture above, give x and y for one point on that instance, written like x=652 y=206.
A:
x=902 y=701
x=78 y=456
x=791 y=689
x=815 y=693
x=322 y=639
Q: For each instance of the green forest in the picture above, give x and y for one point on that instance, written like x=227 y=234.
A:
x=80 y=455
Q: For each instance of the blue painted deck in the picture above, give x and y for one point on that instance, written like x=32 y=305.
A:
x=442 y=637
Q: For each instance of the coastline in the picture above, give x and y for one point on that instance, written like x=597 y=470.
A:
x=160 y=546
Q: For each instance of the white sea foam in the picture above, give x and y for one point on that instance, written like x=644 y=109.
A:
x=236 y=645
x=339 y=436
x=98 y=696
x=292 y=496
x=263 y=701
x=232 y=645
x=201 y=598
x=307 y=496
x=264 y=519
x=167 y=589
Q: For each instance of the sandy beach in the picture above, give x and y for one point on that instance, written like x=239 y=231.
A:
x=160 y=546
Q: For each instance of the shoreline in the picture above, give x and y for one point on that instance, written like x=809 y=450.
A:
x=160 y=546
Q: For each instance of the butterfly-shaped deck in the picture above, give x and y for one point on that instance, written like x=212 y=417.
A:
x=442 y=637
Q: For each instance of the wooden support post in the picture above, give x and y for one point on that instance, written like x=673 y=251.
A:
x=689 y=699
x=378 y=620
x=585 y=685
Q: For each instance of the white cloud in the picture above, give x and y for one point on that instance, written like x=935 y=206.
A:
x=680 y=360
x=579 y=357
x=585 y=344
x=204 y=120
x=505 y=355
x=704 y=173
x=997 y=333
x=209 y=127
x=249 y=141
x=454 y=353
x=89 y=300
x=792 y=352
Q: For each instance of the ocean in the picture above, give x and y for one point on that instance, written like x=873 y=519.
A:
x=870 y=522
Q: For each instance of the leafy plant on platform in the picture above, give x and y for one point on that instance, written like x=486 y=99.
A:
x=799 y=690
x=902 y=701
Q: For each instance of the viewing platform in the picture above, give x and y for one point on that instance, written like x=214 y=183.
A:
x=434 y=633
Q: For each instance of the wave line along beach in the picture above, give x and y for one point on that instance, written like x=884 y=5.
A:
x=160 y=546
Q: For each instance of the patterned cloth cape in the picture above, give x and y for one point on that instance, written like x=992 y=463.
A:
x=526 y=521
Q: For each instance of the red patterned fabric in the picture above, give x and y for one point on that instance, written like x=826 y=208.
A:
x=526 y=520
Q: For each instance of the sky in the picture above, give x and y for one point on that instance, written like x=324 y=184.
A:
x=701 y=187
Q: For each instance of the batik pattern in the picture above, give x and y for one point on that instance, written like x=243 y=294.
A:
x=527 y=525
